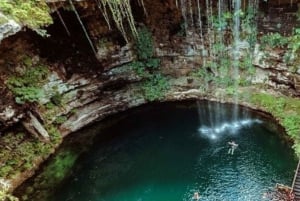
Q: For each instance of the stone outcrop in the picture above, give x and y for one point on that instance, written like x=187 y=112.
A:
x=8 y=27
x=275 y=72
x=111 y=55
x=34 y=126
x=89 y=97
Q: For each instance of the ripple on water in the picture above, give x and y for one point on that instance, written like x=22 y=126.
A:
x=162 y=153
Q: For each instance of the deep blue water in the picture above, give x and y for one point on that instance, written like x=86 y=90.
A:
x=158 y=153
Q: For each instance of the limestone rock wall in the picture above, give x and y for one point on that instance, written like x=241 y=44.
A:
x=8 y=27
x=86 y=96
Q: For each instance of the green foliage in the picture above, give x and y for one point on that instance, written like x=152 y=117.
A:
x=49 y=106
x=27 y=86
x=291 y=122
x=220 y=24
x=54 y=134
x=56 y=99
x=3 y=20
x=144 y=44
x=294 y=41
x=221 y=67
x=21 y=154
x=274 y=40
x=146 y=63
x=31 y=76
x=231 y=90
x=139 y=68
x=53 y=174
x=31 y=13
x=152 y=63
x=58 y=168
x=286 y=110
x=60 y=119
x=142 y=68
x=30 y=94
x=203 y=74
x=4 y=196
x=6 y=169
x=248 y=25
x=291 y=43
x=156 y=87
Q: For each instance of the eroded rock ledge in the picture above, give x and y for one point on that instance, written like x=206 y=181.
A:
x=86 y=98
x=8 y=27
x=90 y=99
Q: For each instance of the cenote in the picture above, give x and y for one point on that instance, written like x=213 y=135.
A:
x=163 y=152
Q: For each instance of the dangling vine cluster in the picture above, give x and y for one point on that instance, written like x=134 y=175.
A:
x=120 y=10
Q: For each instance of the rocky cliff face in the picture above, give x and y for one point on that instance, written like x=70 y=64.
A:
x=8 y=27
x=81 y=87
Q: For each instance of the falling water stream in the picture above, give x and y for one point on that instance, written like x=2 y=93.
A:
x=160 y=153
x=169 y=151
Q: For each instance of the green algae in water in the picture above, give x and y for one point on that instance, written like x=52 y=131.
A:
x=157 y=154
x=52 y=175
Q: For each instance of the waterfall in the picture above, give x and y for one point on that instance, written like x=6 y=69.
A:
x=236 y=51
x=216 y=121
x=83 y=27
x=225 y=63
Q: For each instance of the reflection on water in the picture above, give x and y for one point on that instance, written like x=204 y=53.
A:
x=225 y=128
x=158 y=153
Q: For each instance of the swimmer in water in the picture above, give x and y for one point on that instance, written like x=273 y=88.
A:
x=233 y=146
x=196 y=196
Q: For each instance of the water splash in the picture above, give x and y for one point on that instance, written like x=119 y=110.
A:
x=225 y=128
x=217 y=121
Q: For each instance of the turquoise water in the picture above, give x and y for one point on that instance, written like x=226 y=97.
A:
x=157 y=153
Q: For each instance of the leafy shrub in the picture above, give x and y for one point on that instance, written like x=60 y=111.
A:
x=30 y=94
x=294 y=43
x=145 y=52
x=7 y=197
x=144 y=44
x=155 y=87
x=27 y=87
x=274 y=40
x=31 y=13
x=290 y=122
x=60 y=119
x=286 y=110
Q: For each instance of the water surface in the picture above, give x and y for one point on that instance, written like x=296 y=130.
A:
x=159 y=153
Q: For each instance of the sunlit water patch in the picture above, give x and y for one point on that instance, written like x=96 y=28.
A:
x=226 y=128
x=156 y=153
